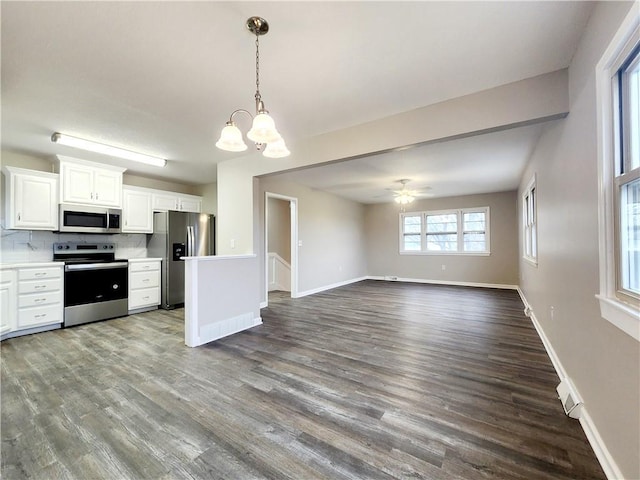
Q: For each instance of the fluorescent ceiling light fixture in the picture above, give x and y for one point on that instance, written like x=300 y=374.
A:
x=263 y=129
x=90 y=146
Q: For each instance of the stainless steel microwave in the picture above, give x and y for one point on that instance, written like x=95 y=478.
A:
x=89 y=219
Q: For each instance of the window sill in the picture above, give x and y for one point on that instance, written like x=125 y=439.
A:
x=622 y=315
x=441 y=254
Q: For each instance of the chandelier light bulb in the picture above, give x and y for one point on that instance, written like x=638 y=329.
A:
x=231 y=139
x=276 y=149
x=263 y=129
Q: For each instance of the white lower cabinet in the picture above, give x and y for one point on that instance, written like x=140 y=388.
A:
x=144 y=284
x=8 y=287
x=40 y=297
x=31 y=299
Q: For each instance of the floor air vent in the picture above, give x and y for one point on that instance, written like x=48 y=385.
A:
x=571 y=402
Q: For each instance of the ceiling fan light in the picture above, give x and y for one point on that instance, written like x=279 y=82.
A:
x=277 y=149
x=263 y=129
x=404 y=198
x=231 y=139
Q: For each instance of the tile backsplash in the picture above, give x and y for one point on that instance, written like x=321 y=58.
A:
x=21 y=246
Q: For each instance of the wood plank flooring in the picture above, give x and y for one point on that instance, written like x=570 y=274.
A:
x=375 y=380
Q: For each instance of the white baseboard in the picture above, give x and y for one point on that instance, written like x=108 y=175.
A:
x=224 y=328
x=329 y=287
x=444 y=282
x=607 y=462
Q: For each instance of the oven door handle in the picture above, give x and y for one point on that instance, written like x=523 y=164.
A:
x=95 y=266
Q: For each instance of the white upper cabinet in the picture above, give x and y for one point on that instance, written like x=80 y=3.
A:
x=90 y=183
x=137 y=210
x=31 y=199
x=180 y=202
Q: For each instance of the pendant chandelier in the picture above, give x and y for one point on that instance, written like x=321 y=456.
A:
x=263 y=130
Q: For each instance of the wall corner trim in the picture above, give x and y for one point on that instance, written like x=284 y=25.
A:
x=608 y=464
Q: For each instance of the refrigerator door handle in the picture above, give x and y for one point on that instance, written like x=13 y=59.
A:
x=190 y=241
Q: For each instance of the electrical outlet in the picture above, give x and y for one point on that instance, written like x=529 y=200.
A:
x=552 y=310
x=444 y=267
x=233 y=243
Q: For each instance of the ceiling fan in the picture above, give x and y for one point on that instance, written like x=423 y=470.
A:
x=404 y=195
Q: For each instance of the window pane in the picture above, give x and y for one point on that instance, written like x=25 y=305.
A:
x=412 y=224
x=630 y=236
x=474 y=242
x=633 y=106
x=474 y=221
x=412 y=242
x=447 y=222
x=442 y=242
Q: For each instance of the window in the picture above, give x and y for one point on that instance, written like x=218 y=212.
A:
x=462 y=231
x=618 y=96
x=529 y=223
x=627 y=176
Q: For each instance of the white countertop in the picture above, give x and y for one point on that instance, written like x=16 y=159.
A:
x=7 y=266
x=31 y=265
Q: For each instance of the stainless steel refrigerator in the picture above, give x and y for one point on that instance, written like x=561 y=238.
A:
x=176 y=235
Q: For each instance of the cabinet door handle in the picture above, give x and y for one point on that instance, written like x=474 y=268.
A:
x=41 y=274
x=145 y=279
x=146 y=298
x=39 y=287
x=19 y=216
x=42 y=315
x=96 y=195
x=37 y=300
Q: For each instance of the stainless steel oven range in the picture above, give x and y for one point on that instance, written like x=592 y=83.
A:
x=95 y=283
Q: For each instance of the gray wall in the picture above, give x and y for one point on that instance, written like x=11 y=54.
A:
x=501 y=267
x=331 y=230
x=602 y=360
x=279 y=228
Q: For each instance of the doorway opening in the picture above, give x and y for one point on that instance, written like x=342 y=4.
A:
x=281 y=244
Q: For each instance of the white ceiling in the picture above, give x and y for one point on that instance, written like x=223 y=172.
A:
x=163 y=77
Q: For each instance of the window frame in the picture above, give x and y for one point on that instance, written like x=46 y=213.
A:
x=615 y=307
x=459 y=212
x=530 y=222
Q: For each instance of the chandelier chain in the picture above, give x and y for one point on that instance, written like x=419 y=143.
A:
x=258 y=97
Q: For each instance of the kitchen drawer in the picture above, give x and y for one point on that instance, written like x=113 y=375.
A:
x=36 y=316
x=40 y=299
x=39 y=273
x=143 y=266
x=144 y=297
x=34 y=286
x=144 y=279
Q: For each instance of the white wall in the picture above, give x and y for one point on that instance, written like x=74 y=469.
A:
x=603 y=361
x=332 y=233
x=499 y=268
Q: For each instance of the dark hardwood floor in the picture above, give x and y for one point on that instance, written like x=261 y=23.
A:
x=374 y=380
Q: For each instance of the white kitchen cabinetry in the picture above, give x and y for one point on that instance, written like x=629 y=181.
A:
x=7 y=301
x=163 y=201
x=40 y=296
x=137 y=210
x=90 y=183
x=31 y=199
x=31 y=298
x=144 y=284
